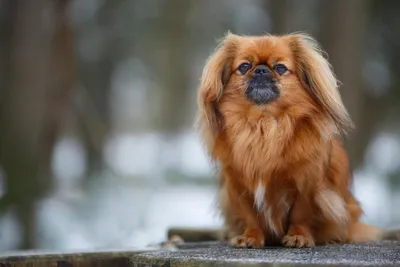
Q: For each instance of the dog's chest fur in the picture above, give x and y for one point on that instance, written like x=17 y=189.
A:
x=257 y=142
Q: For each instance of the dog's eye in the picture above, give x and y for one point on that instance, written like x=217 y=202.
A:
x=244 y=67
x=280 y=69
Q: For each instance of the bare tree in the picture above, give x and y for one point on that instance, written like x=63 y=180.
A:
x=173 y=72
x=93 y=110
x=282 y=15
x=34 y=98
x=344 y=37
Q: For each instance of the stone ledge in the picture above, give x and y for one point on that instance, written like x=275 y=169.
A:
x=67 y=259
x=213 y=254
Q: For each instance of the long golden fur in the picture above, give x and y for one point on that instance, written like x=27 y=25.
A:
x=284 y=175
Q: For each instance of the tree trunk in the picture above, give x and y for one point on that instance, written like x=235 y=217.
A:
x=34 y=99
x=344 y=39
x=95 y=91
x=282 y=15
x=173 y=72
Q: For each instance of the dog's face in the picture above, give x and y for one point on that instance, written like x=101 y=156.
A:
x=261 y=73
x=275 y=73
x=262 y=70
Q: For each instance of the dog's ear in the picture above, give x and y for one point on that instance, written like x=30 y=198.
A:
x=215 y=75
x=316 y=74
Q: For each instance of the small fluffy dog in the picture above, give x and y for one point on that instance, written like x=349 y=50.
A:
x=271 y=116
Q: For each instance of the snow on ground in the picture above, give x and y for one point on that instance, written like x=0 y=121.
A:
x=123 y=213
x=127 y=217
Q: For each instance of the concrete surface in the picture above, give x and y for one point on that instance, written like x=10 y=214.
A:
x=213 y=254
x=67 y=259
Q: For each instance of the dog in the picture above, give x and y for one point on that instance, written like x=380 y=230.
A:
x=271 y=117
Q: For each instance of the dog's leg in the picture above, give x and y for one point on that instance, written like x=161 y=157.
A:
x=241 y=217
x=299 y=233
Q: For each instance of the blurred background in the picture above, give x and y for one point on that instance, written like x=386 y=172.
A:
x=98 y=99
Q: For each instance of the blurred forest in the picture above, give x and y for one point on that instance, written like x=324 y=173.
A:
x=98 y=98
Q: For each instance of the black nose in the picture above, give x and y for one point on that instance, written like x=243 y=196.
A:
x=261 y=70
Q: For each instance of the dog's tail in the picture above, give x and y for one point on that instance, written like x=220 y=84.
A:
x=367 y=233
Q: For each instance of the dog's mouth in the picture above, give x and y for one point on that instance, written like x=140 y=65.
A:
x=262 y=92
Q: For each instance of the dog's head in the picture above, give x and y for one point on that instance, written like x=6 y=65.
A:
x=275 y=73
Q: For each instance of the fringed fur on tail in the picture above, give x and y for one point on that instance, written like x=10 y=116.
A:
x=366 y=233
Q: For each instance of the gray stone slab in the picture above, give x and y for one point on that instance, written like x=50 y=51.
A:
x=107 y=258
x=385 y=253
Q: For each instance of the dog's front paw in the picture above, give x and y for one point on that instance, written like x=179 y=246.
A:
x=243 y=241
x=298 y=241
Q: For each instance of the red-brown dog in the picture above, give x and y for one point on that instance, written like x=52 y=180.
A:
x=271 y=115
